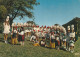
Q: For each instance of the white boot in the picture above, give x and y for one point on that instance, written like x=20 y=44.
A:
x=21 y=43
x=6 y=41
x=69 y=48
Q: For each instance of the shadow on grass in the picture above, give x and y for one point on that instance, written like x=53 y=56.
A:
x=1 y=39
x=62 y=49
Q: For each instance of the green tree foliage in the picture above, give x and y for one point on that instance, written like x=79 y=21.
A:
x=16 y=8
x=3 y=12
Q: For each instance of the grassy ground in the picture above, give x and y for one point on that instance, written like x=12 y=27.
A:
x=77 y=48
x=28 y=50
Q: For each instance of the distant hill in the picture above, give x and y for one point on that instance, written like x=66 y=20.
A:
x=76 y=22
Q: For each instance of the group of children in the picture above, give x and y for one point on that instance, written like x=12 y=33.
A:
x=52 y=36
x=17 y=34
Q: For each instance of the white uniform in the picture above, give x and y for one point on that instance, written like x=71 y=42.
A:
x=32 y=38
x=72 y=35
x=71 y=43
x=21 y=33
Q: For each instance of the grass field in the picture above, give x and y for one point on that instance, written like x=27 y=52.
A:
x=28 y=50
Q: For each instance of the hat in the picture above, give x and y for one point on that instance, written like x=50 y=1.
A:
x=42 y=26
x=33 y=24
x=27 y=24
x=45 y=26
x=72 y=27
x=57 y=27
x=30 y=24
x=18 y=24
x=48 y=27
x=12 y=24
x=24 y=24
x=38 y=26
x=21 y=24
x=54 y=27
x=68 y=27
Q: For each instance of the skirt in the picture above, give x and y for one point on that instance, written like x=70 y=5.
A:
x=21 y=38
x=52 y=45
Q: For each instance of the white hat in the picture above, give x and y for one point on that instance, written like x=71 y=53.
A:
x=54 y=27
x=57 y=27
x=72 y=27
x=60 y=27
x=27 y=24
x=15 y=23
x=24 y=24
x=18 y=24
x=12 y=24
x=68 y=27
x=33 y=24
x=21 y=24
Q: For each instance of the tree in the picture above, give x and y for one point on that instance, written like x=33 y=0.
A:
x=3 y=12
x=16 y=8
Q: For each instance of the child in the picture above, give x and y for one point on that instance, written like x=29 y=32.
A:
x=57 y=42
x=21 y=36
x=47 y=36
x=14 y=36
x=52 y=40
x=64 y=41
x=34 y=39
x=42 y=42
x=71 y=45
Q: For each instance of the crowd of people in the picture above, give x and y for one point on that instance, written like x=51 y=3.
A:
x=55 y=36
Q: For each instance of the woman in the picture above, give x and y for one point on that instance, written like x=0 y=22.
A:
x=6 y=29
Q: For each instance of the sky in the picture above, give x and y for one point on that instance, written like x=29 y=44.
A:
x=51 y=12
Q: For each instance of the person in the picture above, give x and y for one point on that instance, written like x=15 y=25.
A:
x=6 y=29
x=57 y=42
x=14 y=36
x=47 y=40
x=33 y=38
x=52 y=39
x=68 y=37
x=73 y=32
x=64 y=41
x=42 y=42
x=71 y=45
x=21 y=36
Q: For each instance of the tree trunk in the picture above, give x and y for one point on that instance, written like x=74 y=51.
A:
x=11 y=21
